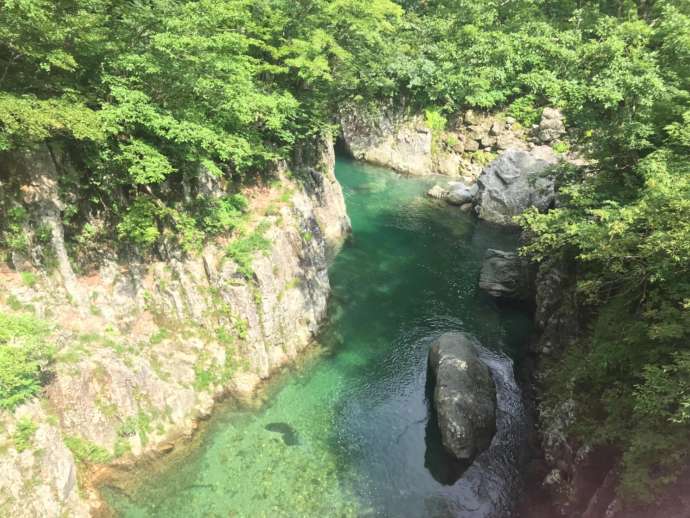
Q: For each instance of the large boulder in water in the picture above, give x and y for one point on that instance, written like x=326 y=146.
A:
x=464 y=395
x=511 y=184
x=505 y=275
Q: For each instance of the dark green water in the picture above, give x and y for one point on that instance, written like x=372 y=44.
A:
x=346 y=434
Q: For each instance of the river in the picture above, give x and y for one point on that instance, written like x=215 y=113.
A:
x=347 y=432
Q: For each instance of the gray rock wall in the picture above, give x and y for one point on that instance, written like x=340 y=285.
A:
x=160 y=342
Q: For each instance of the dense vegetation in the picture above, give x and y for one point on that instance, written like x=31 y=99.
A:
x=148 y=95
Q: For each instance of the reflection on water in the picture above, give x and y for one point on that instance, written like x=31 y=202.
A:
x=349 y=434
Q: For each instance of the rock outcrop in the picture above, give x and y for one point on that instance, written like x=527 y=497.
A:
x=404 y=142
x=505 y=275
x=551 y=127
x=464 y=395
x=40 y=193
x=162 y=340
x=460 y=193
x=511 y=184
x=389 y=139
x=40 y=480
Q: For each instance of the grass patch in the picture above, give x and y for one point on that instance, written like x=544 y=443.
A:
x=24 y=434
x=24 y=354
x=242 y=249
x=30 y=279
x=86 y=451
x=482 y=157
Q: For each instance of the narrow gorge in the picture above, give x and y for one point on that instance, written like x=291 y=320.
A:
x=314 y=258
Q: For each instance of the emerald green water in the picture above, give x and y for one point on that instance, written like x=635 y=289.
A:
x=347 y=432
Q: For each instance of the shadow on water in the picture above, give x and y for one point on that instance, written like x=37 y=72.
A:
x=443 y=467
x=289 y=434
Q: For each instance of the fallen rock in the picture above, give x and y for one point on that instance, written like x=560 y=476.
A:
x=497 y=128
x=505 y=275
x=464 y=395
x=471 y=145
x=488 y=141
x=471 y=117
x=511 y=184
x=460 y=193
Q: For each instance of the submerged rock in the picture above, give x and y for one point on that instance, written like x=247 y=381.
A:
x=464 y=396
x=290 y=437
x=460 y=193
x=511 y=184
x=505 y=275
x=437 y=192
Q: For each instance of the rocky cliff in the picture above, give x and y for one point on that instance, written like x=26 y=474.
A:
x=580 y=479
x=146 y=348
x=405 y=142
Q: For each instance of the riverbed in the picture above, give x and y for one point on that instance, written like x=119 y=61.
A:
x=348 y=432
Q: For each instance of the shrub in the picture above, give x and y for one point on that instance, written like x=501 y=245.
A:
x=24 y=433
x=561 y=147
x=24 y=353
x=140 y=225
x=483 y=157
x=524 y=110
x=242 y=250
x=15 y=238
x=86 y=451
x=222 y=214
x=29 y=278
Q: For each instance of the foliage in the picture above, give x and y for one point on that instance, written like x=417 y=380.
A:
x=24 y=354
x=523 y=109
x=222 y=214
x=14 y=237
x=147 y=95
x=87 y=452
x=243 y=249
x=624 y=221
x=24 y=433
x=29 y=279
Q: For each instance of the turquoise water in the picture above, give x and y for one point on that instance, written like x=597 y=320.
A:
x=346 y=434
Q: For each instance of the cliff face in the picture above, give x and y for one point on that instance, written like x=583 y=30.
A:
x=581 y=479
x=156 y=343
x=392 y=138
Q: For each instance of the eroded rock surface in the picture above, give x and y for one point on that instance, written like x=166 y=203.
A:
x=511 y=184
x=389 y=139
x=551 y=127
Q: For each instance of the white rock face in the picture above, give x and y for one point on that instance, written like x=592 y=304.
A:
x=42 y=479
x=392 y=140
x=403 y=142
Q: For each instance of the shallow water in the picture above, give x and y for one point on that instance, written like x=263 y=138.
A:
x=348 y=434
